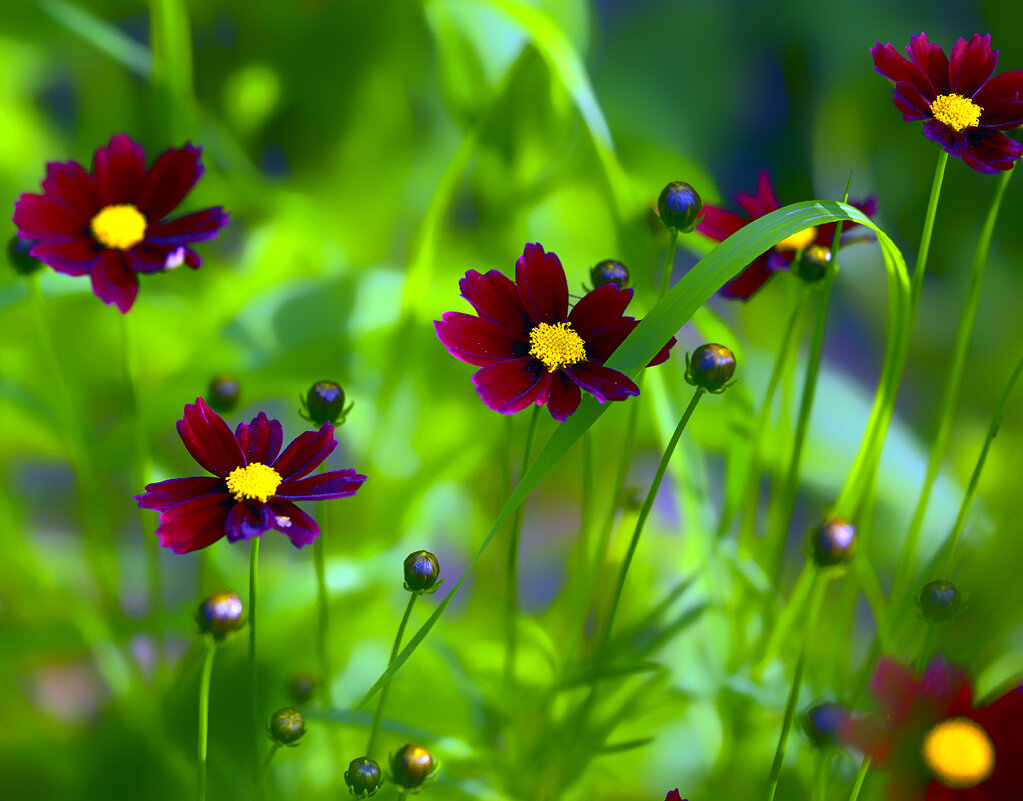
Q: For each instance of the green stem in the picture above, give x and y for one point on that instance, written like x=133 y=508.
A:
x=265 y=769
x=669 y=263
x=403 y=795
x=254 y=713
x=512 y=603
x=861 y=776
x=204 y=713
x=586 y=514
x=816 y=598
x=820 y=764
x=917 y=282
x=950 y=392
x=171 y=37
x=323 y=603
x=378 y=716
x=604 y=542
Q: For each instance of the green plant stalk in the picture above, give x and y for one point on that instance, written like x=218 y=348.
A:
x=323 y=603
x=586 y=511
x=171 y=37
x=950 y=393
x=204 y=713
x=264 y=771
x=816 y=599
x=254 y=714
x=820 y=764
x=917 y=283
x=861 y=776
x=512 y=602
x=669 y=263
x=378 y=716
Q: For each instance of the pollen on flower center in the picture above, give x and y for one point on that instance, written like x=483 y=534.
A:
x=799 y=240
x=122 y=226
x=256 y=482
x=956 y=111
x=556 y=345
x=959 y=753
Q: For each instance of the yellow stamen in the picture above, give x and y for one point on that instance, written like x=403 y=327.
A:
x=959 y=753
x=798 y=241
x=122 y=226
x=956 y=111
x=256 y=482
x=556 y=345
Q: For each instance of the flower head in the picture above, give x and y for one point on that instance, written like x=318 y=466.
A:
x=832 y=543
x=674 y=796
x=940 y=601
x=412 y=765
x=325 y=403
x=421 y=572
x=822 y=723
x=679 y=206
x=254 y=485
x=610 y=271
x=962 y=107
x=224 y=392
x=363 y=777
x=531 y=347
x=221 y=614
x=287 y=726
x=719 y=224
x=111 y=224
x=936 y=743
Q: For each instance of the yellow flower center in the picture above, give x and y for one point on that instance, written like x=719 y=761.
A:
x=799 y=240
x=256 y=482
x=956 y=111
x=556 y=345
x=959 y=753
x=122 y=226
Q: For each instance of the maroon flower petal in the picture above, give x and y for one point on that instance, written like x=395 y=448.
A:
x=194 y=524
x=867 y=736
x=322 y=486
x=510 y=386
x=746 y=283
x=1007 y=86
x=1003 y=115
x=195 y=227
x=475 y=340
x=599 y=309
x=146 y=258
x=763 y=202
x=495 y=297
x=991 y=151
x=971 y=63
x=70 y=184
x=602 y=382
x=1003 y=721
x=299 y=527
x=120 y=170
x=673 y=796
x=932 y=60
x=41 y=217
x=165 y=494
x=113 y=282
x=719 y=224
x=73 y=257
x=561 y=396
x=208 y=439
x=542 y=286
x=249 y=519
x=170 y=178
x=305 y=453
x=663 y=353
x=953 y=141
x=260 y=440
x=895 y=68
x=600 y=347
x=913 y=105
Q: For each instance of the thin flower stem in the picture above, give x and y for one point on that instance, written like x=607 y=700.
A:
x=512 y=604
x=586 y=512
x=378 y=716
x=816 y=599
x=264 y=771
x=820 y=764
x=204 y=713
x=323 y=603
x=950 y=393
x=254 y=714
x=669 y=263
x=917 y=281
x=618 y=488
x=403 y=795
x=861 y=776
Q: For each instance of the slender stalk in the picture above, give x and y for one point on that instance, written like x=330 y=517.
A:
x=950 y=392
x=820 y=763
x=669 y=263
x=586 y=512
x=917 y=282
x=512 y=603
x=386 y=689
x=861 y=776
x=604 y=542
x=403 y=795
x=323 y=603
x=204 y=713
x=265 y=768
x=816 y=598
x=254 y=714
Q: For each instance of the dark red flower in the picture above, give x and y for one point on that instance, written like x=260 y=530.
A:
x=253 y=487
x=111 y=224
x=531 y=347
x=674 y=796
x=936 y=743
x=719 y=224
x=962 y=107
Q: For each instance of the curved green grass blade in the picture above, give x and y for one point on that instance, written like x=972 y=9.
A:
x=102 y=34
x=680 y=303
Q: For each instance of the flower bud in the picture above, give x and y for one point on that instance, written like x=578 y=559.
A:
x=325 y=403
x=812 y=264
x=411 y=766
x=363 y=777
x=17 y=255
x=822 y=723
x=710 y=367
x=302 y=688
x=679 y=206
x=286 y=726
x=940 y=601
x=421 y=571
x=221 y=614
x=224 y=393
x=609 y=271
x=833 y=542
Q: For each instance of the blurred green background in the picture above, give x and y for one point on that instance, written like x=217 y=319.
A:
x=369 y=154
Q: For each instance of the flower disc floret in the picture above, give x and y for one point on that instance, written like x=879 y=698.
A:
x=256 y=482
x=956 y=111
x=121 y=226
x=557 y=345
x=959 y=753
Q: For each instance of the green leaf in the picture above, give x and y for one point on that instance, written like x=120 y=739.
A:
x=102 y=34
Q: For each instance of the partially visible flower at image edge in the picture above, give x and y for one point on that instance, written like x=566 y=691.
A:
x=962 y=107
x=719 y=224
x=936 y=744
x=253 y=487
x=531 y=347
x=674 y=796
x=110 y=224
